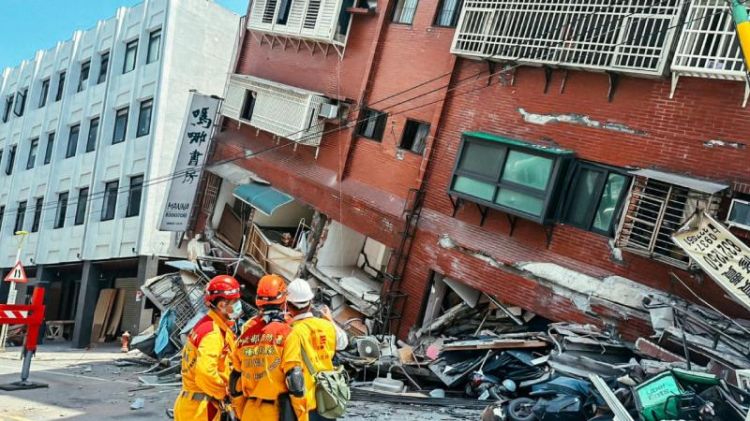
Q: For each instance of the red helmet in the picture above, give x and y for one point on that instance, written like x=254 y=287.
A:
x=222 y=286
x=271 y=291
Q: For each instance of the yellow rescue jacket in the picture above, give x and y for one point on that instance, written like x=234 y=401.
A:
x=206 y=357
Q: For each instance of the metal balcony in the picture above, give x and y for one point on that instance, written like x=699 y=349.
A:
x=312 y=23
x=632 y=36
x=282 y=110
x=708 y=45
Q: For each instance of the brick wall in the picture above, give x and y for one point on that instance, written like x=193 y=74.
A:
x=641 y=128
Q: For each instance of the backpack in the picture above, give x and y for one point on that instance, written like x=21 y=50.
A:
x=332 y=392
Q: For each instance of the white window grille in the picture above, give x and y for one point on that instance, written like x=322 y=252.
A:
x=708 y=45
x=656 y=209
x=317 y=21
x=631 y=36
x=282 y=110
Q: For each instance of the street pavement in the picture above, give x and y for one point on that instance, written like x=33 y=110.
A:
x=87 y=385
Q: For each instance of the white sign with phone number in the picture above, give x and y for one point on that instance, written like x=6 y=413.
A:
x=719 y=253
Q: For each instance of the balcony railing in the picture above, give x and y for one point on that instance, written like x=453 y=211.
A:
x=281 y=110
x=632 y=36
x=708 y=45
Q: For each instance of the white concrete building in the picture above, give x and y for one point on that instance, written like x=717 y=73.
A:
x=88 y=135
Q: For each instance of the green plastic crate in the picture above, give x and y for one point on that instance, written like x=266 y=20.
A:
x=651 y=396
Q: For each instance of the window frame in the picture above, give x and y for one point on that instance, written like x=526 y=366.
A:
x=125 y=113
x=71 y=148
x=44 y=93
x=50 y=148
x=8 y=107
x=20 y=216
x=60 y=86
x=560 y=161
x=81 y=205
x=138 y=131
x=151 y=44
x=130 y=45
x=401 y=13
x=575 y=172
x=11 y=160
x=110 y=194
x=454 y=19
x=33 y=148
x=37 y=214
x=378 y=129
x=419 y=123
x=91 y=141
x=21 y=95
x=103 y=67
x=61 y=210
x=82 y=81
x=134 y=209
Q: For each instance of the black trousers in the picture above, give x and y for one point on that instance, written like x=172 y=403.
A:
x=314 y=416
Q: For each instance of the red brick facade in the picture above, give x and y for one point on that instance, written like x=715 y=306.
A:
x=363 y=183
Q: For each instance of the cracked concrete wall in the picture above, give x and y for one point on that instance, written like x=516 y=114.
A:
x=578 y=119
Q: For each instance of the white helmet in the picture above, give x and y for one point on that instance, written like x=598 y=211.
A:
x=299 y=293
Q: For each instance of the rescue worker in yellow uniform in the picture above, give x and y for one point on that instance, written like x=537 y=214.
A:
x=206 y=356
x=318 y=336
x=257 y=379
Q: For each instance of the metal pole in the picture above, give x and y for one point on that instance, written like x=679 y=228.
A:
x=12 y=292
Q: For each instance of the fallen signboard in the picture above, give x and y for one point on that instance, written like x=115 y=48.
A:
x=719 y=253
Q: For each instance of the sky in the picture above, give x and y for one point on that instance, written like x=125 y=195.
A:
x=30 y=25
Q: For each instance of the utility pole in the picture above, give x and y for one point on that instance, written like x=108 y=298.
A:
x=12 y=292
x=742 y=26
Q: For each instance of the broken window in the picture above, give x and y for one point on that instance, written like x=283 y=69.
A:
x=60 y=86
x=248 y=105
x=11 y=160
x=509 y=175
x=372 y=124
x=31 y=160
x=595 y=197
x=659 y=205
x=213 y=185
x=43 y=94
x=415 y=136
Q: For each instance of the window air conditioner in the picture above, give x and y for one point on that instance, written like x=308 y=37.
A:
x=739 y=214
x=329 y=111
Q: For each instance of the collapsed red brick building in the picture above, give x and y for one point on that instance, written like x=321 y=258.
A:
x=538 y=153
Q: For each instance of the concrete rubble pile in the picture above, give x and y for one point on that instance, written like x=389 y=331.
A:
x=518 y=367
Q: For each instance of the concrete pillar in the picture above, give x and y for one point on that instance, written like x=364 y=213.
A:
x=87 y=297
x=148 y=267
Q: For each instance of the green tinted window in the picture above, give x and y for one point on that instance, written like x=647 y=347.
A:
x=529 y=170
x=583 y=195
x=609 y=202
x=474 y=188
x=520 y=202
x=482 y=159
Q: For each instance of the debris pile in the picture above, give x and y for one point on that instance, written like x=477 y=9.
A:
x=696 y=366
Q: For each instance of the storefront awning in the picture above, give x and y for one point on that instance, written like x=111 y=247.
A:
x=233 y=173
x=262 y=197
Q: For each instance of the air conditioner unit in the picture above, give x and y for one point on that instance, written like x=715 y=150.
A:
x=329 y=111
x=739 y=214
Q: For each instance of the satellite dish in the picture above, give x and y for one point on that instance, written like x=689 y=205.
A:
x=368 y=347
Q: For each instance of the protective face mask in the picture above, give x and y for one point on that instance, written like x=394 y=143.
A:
x=236 y=310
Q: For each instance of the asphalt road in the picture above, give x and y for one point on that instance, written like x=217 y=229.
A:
x=87 y=385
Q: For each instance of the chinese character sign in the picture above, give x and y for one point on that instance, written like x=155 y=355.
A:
x=192 y=149
x=719 y=253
